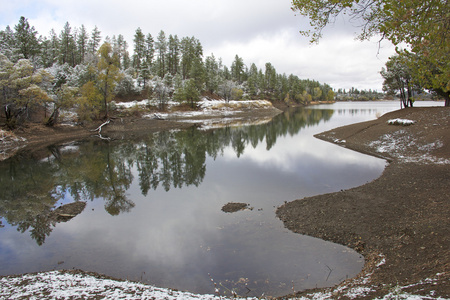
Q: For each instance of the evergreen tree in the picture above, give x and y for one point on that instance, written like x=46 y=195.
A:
x=161 y=49
x=149 y=50
x=173 y=55
x=237 y=69
x=212 y=77
x=197 y=73
x=67 y=46
x=7 y=43
x=144 y=72
x=270 y=78
x=120 y=49
x=82 y=44
x=26 y=39
x=252 y=82
x=95 y=40
x=190 y=50
x=139 y=48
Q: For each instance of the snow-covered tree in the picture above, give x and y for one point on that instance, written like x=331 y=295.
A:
x=23 y=88
x=26 y=40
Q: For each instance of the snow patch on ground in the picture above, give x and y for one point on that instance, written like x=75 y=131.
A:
x=128 y=105
x=360 y=287
x=60 y=285
x=212 y=114
x=403 y=122
x=78 y=285
x=401 y=145
x=65 y=285
x=205 y=105
x=233 y=104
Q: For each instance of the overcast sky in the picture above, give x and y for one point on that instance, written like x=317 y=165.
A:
x=259 y=31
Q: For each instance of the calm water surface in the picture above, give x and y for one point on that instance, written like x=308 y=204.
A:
x=153 y=210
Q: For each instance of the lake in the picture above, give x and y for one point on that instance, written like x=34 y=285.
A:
x=153 y=211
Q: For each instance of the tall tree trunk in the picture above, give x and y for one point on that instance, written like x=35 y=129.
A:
x=410 y=100
x=105 y=95
x=53 y=118
x=403 y=98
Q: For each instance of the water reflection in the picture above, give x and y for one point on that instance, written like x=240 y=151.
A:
x=98 y=169
x=161 y=220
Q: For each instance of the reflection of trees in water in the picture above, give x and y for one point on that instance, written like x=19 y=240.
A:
x=30 y=188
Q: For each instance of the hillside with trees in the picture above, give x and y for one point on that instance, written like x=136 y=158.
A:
x=77 y=70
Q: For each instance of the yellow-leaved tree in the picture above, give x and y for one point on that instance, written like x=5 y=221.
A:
x=108 y=74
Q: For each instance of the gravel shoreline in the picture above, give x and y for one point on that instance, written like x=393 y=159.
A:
x=400 y=222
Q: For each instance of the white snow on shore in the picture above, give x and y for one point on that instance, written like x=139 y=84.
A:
x=211 y=114
x=204 y=105
x=59 y=285
x=400 y=145
x=64 y=285
x=403 y=122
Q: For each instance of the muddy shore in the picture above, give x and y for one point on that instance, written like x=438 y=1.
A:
x=399 y=222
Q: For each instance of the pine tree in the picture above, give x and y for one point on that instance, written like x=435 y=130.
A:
x=67 y=46
x=211 y=74
x=25 y=39
x=190 y=50
x=252 y=82
x=95 y=40
x=149 y=50
x=7 y=43
x=82 y=44
x=237 y=69
x=161 y=48
x=139 y=48
x=173 y=55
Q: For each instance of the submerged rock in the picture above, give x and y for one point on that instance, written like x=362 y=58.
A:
x=234 y=207
x=66 y=212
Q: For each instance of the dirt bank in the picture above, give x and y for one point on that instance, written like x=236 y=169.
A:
x=399 y=222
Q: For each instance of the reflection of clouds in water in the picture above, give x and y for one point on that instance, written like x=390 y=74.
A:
x=290 y=153
x=182 y=235
x=168 y=228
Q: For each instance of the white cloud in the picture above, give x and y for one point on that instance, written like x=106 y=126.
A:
x=259 y=31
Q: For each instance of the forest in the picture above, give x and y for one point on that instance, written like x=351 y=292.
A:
x=77 y=70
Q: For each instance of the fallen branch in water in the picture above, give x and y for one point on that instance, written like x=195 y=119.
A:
x=99 y=128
